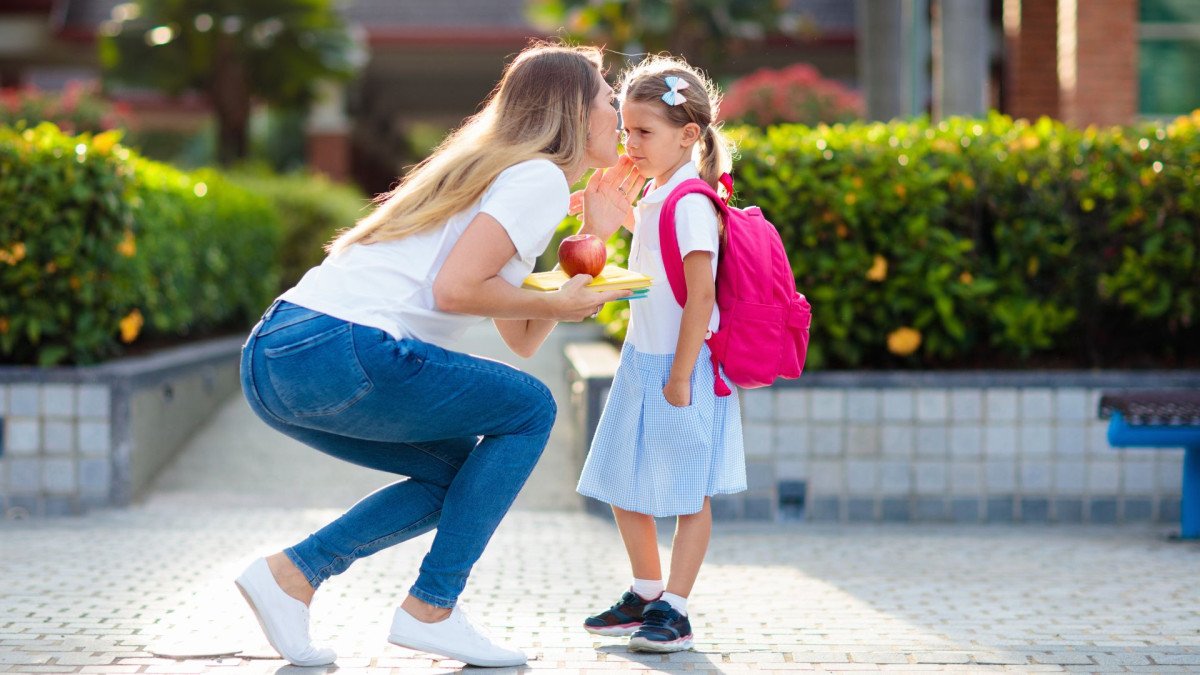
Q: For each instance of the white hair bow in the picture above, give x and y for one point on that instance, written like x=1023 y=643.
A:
x=675 y=84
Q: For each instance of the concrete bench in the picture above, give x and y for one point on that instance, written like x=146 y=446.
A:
x=1165 y=418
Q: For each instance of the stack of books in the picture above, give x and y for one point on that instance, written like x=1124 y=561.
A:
x=613 y=278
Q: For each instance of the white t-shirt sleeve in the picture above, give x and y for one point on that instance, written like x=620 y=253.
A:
x=696 y=225
x=529 y=200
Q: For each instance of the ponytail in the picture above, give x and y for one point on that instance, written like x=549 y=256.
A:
x=715 y=158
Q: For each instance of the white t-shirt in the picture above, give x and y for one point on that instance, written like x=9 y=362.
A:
x=654 y=320
x=389 y=285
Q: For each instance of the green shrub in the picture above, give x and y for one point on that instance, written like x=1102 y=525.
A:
x=97 y=243
x=311 y=208
x=985 y=243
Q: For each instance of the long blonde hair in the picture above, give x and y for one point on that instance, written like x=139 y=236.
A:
x=540 y=109
x=646 y=83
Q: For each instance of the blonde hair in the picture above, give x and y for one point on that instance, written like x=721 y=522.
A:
x=540 y=109
x=646 y=83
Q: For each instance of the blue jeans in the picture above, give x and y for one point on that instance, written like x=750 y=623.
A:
x=465 y=431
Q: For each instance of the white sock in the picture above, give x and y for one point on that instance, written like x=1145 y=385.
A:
x=648 y=589
x=677 y=602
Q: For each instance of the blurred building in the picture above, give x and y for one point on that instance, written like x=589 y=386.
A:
x=432 y=62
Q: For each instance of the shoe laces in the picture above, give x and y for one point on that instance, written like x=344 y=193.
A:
x=477 y=635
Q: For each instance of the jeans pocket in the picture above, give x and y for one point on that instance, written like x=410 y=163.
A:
x=319 y=375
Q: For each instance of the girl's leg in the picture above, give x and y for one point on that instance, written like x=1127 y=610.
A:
x=641 y=542
x=692 y=533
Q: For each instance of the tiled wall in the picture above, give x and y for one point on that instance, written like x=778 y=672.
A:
x=959 y=447
x=57 y=447
x=978 y=454
x=76 y=438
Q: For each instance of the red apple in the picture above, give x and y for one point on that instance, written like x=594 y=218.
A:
x=582 y=254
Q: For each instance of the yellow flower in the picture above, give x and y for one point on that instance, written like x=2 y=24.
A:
x=103 y=143
x=3 y=325
x=878 y=271
x=16 y=255
x=131 y=325
x=966 y=278
x=904 y=341
x=842 y=231
x=128 y=245
x=851 y=198
x=901 y=191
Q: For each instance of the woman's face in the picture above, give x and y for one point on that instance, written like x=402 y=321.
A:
x=602 y=128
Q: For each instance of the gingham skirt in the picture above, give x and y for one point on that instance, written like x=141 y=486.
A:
x=651 y=457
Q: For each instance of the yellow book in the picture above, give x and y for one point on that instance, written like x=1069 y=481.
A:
x=613 y=278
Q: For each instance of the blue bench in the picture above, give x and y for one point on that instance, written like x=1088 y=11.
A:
x=1164 y=418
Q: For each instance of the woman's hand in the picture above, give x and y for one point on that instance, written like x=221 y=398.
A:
x=607 y=201
x=576 y=302
x=678 y=393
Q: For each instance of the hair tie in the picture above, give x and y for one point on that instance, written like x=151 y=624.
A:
x=674 y=86
x=725 y=187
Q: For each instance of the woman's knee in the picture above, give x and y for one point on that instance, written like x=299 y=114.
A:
x=540 y=406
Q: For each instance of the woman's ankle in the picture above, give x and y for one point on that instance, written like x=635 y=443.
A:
x=423 y=611
x=290 y=578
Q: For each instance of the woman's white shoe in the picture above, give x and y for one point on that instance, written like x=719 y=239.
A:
x=283 y=618
x=455 y=637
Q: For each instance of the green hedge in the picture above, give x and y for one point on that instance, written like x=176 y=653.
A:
x=985 y=243
x=99 y=247
x=312 y=209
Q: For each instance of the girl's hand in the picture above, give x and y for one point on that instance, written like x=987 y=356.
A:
x=678 y=394
x=607 y=201
x=575 y=302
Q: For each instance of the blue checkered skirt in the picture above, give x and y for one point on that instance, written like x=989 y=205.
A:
x=651 y=457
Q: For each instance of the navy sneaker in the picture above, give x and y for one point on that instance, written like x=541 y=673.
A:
x=621 y=619
x=663 y=630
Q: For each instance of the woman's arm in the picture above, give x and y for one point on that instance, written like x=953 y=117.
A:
x=524 y=336
x=701 y=295
x=469 y=282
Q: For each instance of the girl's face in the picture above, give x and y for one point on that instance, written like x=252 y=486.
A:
x=602 y=128
x=656 y=146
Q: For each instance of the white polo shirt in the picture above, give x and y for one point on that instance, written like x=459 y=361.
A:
x=654 y=320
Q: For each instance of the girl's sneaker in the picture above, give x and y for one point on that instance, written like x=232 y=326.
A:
x=621 y=619
x=663 y=630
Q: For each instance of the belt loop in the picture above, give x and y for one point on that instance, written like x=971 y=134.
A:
x=271 y=310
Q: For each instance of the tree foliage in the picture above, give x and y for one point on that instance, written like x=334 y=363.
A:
x=231 y=51
x=703 y=31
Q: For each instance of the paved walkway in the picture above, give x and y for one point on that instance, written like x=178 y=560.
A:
x=148 y=589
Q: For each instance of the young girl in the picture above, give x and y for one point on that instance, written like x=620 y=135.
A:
x=665 y=442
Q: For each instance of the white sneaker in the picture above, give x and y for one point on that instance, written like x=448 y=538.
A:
x=453 y=637
x=283 y=618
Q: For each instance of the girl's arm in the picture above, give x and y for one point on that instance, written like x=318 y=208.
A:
x=469 y=282
x=701 y=295
x=606 y=202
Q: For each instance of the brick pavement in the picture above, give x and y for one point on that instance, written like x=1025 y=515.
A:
x=148 y=589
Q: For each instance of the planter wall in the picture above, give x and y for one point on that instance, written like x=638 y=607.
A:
x=75 y=438
x=953 y=446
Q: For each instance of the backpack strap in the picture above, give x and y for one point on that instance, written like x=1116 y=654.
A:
x=668 y=244
x=668 y=241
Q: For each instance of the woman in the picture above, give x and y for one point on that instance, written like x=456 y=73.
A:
x=357 y=359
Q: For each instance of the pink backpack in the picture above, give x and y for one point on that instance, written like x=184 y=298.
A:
x=763 y=332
